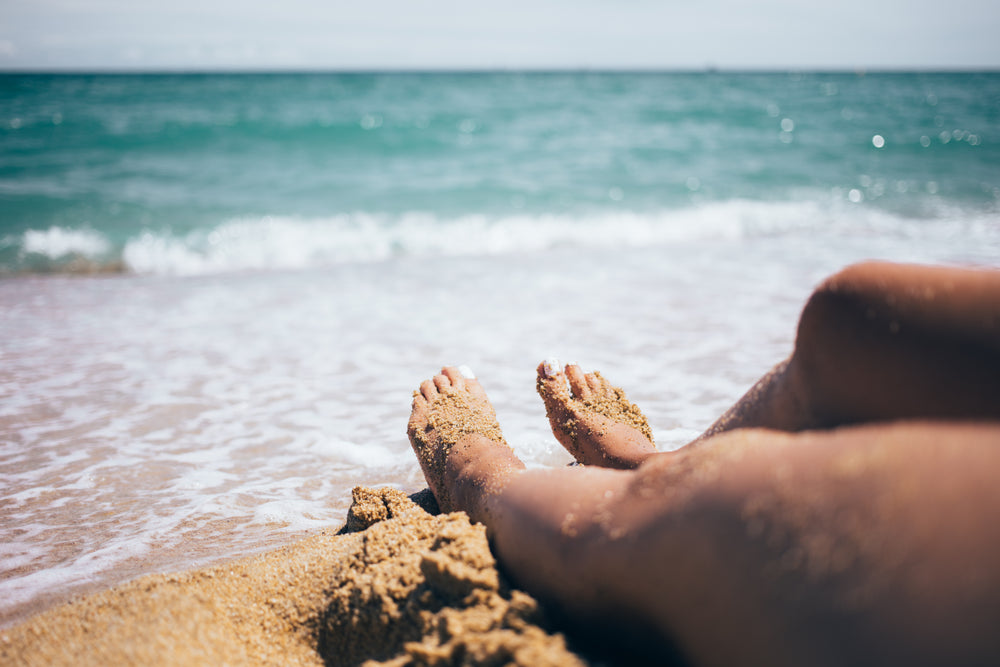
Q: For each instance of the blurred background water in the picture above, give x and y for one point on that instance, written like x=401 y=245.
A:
x=209 y=173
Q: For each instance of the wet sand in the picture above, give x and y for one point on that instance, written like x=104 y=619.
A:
x=396 y=586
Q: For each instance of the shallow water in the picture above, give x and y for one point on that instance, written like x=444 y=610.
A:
x=156 y=423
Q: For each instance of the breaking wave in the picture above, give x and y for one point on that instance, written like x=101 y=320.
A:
x=290 y=243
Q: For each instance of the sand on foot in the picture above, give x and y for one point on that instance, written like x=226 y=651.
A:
x=398 y=586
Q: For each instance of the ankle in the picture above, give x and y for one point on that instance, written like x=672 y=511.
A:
x=476 y=471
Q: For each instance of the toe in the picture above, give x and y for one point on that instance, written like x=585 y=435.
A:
x=578 y=382
x=552 y=381
x=428 y=390
x=442 y=382
x=419 y=402
x=418 y=414
x=473 y=387
x=455 y=377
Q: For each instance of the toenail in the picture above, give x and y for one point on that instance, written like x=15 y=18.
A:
x=466 y=372
x=551 y=367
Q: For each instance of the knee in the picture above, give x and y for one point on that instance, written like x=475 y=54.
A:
x=862 y=303
x=839 y=305
x=856 y=283
x=840 y=331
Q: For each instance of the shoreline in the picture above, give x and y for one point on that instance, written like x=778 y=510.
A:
x=190 y=555
x=396 y=584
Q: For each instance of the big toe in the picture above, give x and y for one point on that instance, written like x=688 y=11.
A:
x=418 y=414
x=467 y=379
x=552 y=385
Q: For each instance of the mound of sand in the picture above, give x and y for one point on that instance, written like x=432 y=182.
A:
x=399 y=587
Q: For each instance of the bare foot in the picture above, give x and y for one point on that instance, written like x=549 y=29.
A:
x=596 y=423
x=455 y=435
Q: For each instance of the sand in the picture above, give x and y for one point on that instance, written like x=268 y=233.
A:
x=396 y=586
x=452 y=415
x=613 y=405
x=609 y=401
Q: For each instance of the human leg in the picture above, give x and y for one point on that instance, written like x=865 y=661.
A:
x=878 y=342
x=860 y=545
x=875 y=342
x=864 y=545
x=454 y=433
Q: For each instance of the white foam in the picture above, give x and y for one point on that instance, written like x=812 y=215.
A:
x=291 y=513
x=290 y=243
x=294 y=243
x=57 y=242
x=281 y=243
x=361 y=455
x=140 y=416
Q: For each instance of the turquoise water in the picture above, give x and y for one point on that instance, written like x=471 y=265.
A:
x=196 y=173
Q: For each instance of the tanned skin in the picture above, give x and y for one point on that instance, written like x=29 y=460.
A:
x=845 y=511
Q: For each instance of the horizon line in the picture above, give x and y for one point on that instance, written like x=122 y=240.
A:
x=708 y=69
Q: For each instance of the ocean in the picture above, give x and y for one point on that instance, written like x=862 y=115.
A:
x=218 y=291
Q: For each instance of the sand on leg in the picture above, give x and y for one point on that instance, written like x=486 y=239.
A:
x=871 y=544
x=454 y=433
x=592 y=419
x=865 y=545
x=758 y=547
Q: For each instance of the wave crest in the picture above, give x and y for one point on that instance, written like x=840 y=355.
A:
x=279 y=243
x=58 y=242
x=290 y=243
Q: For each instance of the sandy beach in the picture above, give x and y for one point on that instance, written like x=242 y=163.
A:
x=396 y=586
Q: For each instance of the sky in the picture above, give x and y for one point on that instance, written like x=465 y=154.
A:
x=497 y=34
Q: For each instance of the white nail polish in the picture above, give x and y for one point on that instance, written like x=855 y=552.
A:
x=466 y=372
x=551 y=367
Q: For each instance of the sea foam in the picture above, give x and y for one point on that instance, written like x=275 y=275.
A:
x=57 y=242
x=289 y=243
x=285 y=243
